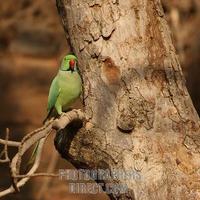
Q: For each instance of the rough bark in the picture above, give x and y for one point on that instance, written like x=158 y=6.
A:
x=140 y=115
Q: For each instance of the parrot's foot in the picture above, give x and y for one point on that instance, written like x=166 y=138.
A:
x=62 y=114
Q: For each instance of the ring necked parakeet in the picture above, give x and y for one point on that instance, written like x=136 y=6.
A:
x=65 y=88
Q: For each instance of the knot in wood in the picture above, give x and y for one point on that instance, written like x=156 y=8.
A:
x=110 y=72
x=125 y=123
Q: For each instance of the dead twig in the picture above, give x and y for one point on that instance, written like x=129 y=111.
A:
x=35 y=166
x=37 y=175
x=26 y=143
x=65 y=119
x=5 y=151
x=38 y=135
x=10 y=143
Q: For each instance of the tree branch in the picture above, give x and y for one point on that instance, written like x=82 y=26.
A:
x=22 y=182
x=41 y=135
x=5 y=151
x=10 y=143
x=38 y=174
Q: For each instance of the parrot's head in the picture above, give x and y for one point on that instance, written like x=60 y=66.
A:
x=69 y=63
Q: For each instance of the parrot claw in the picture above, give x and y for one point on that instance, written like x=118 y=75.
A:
x=62 y=114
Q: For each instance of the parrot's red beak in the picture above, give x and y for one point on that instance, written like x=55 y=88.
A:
x=72 y=64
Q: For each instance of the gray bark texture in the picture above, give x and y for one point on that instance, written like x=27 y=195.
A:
x=139 y=114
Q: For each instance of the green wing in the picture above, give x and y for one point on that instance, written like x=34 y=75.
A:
x=53 y=94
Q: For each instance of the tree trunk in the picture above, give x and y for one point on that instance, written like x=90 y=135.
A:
x=139 y=114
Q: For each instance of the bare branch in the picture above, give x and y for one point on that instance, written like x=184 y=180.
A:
x=37 y=135
x=67 y=118
x=6 y=146
x=7 y=142
x=32 y=170
x=26 y=143
x=37 y=175
x=5 y=151
x=10 y=143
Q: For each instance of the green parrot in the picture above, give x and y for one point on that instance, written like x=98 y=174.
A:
x=65 y=89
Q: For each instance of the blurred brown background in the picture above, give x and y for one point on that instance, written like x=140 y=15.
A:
x=32 y=43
